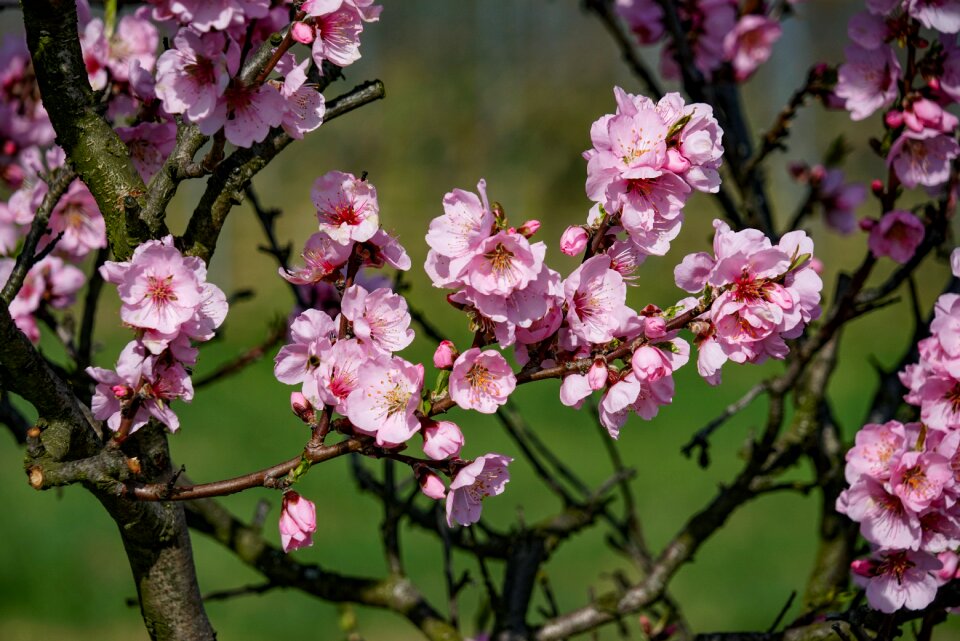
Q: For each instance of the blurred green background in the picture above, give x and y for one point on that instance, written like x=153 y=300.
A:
x=506 y=91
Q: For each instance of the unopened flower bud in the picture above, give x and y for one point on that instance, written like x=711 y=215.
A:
x=866 y=224
x=445 y=355
x=441 y=439
x=301 y=407
x=529 y=228
x=298 y=522
x=654 y=327
x=876 y=186
x=302 y=32
x=816 y=265
x=597 y=375
x=862 y=567
x=431 y=484
x=798 y=170
x=574 y=240
x=817 y=172
x=893 y=118
x=121 y=391
x=934 y=83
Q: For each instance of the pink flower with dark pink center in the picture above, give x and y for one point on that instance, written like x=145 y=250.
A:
x=347 y=208
x=311 y=335
x=897 y=235
x=902 y=579
x=322 y=257
x=383 y=404
x=336 y=33
x=78 y=218
x=923 y=158
x=486 y=476
x=884 y=520
x=867 y=81
x=750 y=44
x=338 y=373
x=379 y=318
x=159 y=288
x=149 y=143
x=502 y=264
x=194 y=74
x=481 y=380
x=596 y=300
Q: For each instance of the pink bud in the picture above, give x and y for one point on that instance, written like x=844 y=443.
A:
x=301 y=407
x=121 y=391
x=654 y=327
x=934 y=83
x=9 y=148
x=302 y=32
x=431 y=485
x=862 y=567
x=445 y=355
x=876 y=186
x=866 y=224
x=529 y=228
x=298 y=522
x=441 y=439
x=574 y=240
x=798 y=170
x=597 y=375
x=816 y=265
x=893 y=118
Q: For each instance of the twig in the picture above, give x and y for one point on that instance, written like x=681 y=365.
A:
x=701 y=439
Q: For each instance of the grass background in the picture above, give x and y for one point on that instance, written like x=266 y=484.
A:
x=505 y=91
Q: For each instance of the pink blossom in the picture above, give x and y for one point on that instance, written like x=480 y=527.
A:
x=156 y=379
x=194 y=74
x=298 y=522
x=338 y=373
x=955 y=262
x=149 y=143
x=379 y=317
x=596 y=297
x=304 y=105
x=919 y=478
x=902 y=578
x=867 y=30
x=302 y=32
x=23 y=118
x=644 y=17
x=445 y=354
x=337 y=33
x=877 y=448
x=481 y=381
x=502 y=264
x=839 y=200
x=347 y=208
x=884 y=519
x=246 y=113
x=750 y=43
x=385 y=249
x=632 y=395
x=486 y=476
x=204 y=15
x=896 y=235
x=310 y=335
x=134 y=40
x=159 y=288
x=939 y=15
x=867 y=81
x=431 y=485
x=923 y=158
x=923 y=113
x=694 y=149
x=384 y=402
x=454 y=236
x=78 y=218
x=574 y=240
x=322 y=257
x=441 y=440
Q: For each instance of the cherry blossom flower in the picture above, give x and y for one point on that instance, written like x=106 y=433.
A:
x=322 y=257
x=902 y=578
x=338 y=373
x=384 y=402
x=750 y=44
x=485 y=476
x=595 y=296
x=379 y=317
x=481 y=380
x=78 y=218
x=896 y=235
x=574 y=240
x=923 y=158
x=867 y=81
x=347 y=208
x=149 y=143
x=194 y=74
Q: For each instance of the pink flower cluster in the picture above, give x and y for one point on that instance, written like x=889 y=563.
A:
x=716 y=33
x=764 y=294
x=903 y=484
x=198 y=77
x=51 y=282
x=646 y=159
x=922 y=130
x=347 y=361
x=166 y=299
